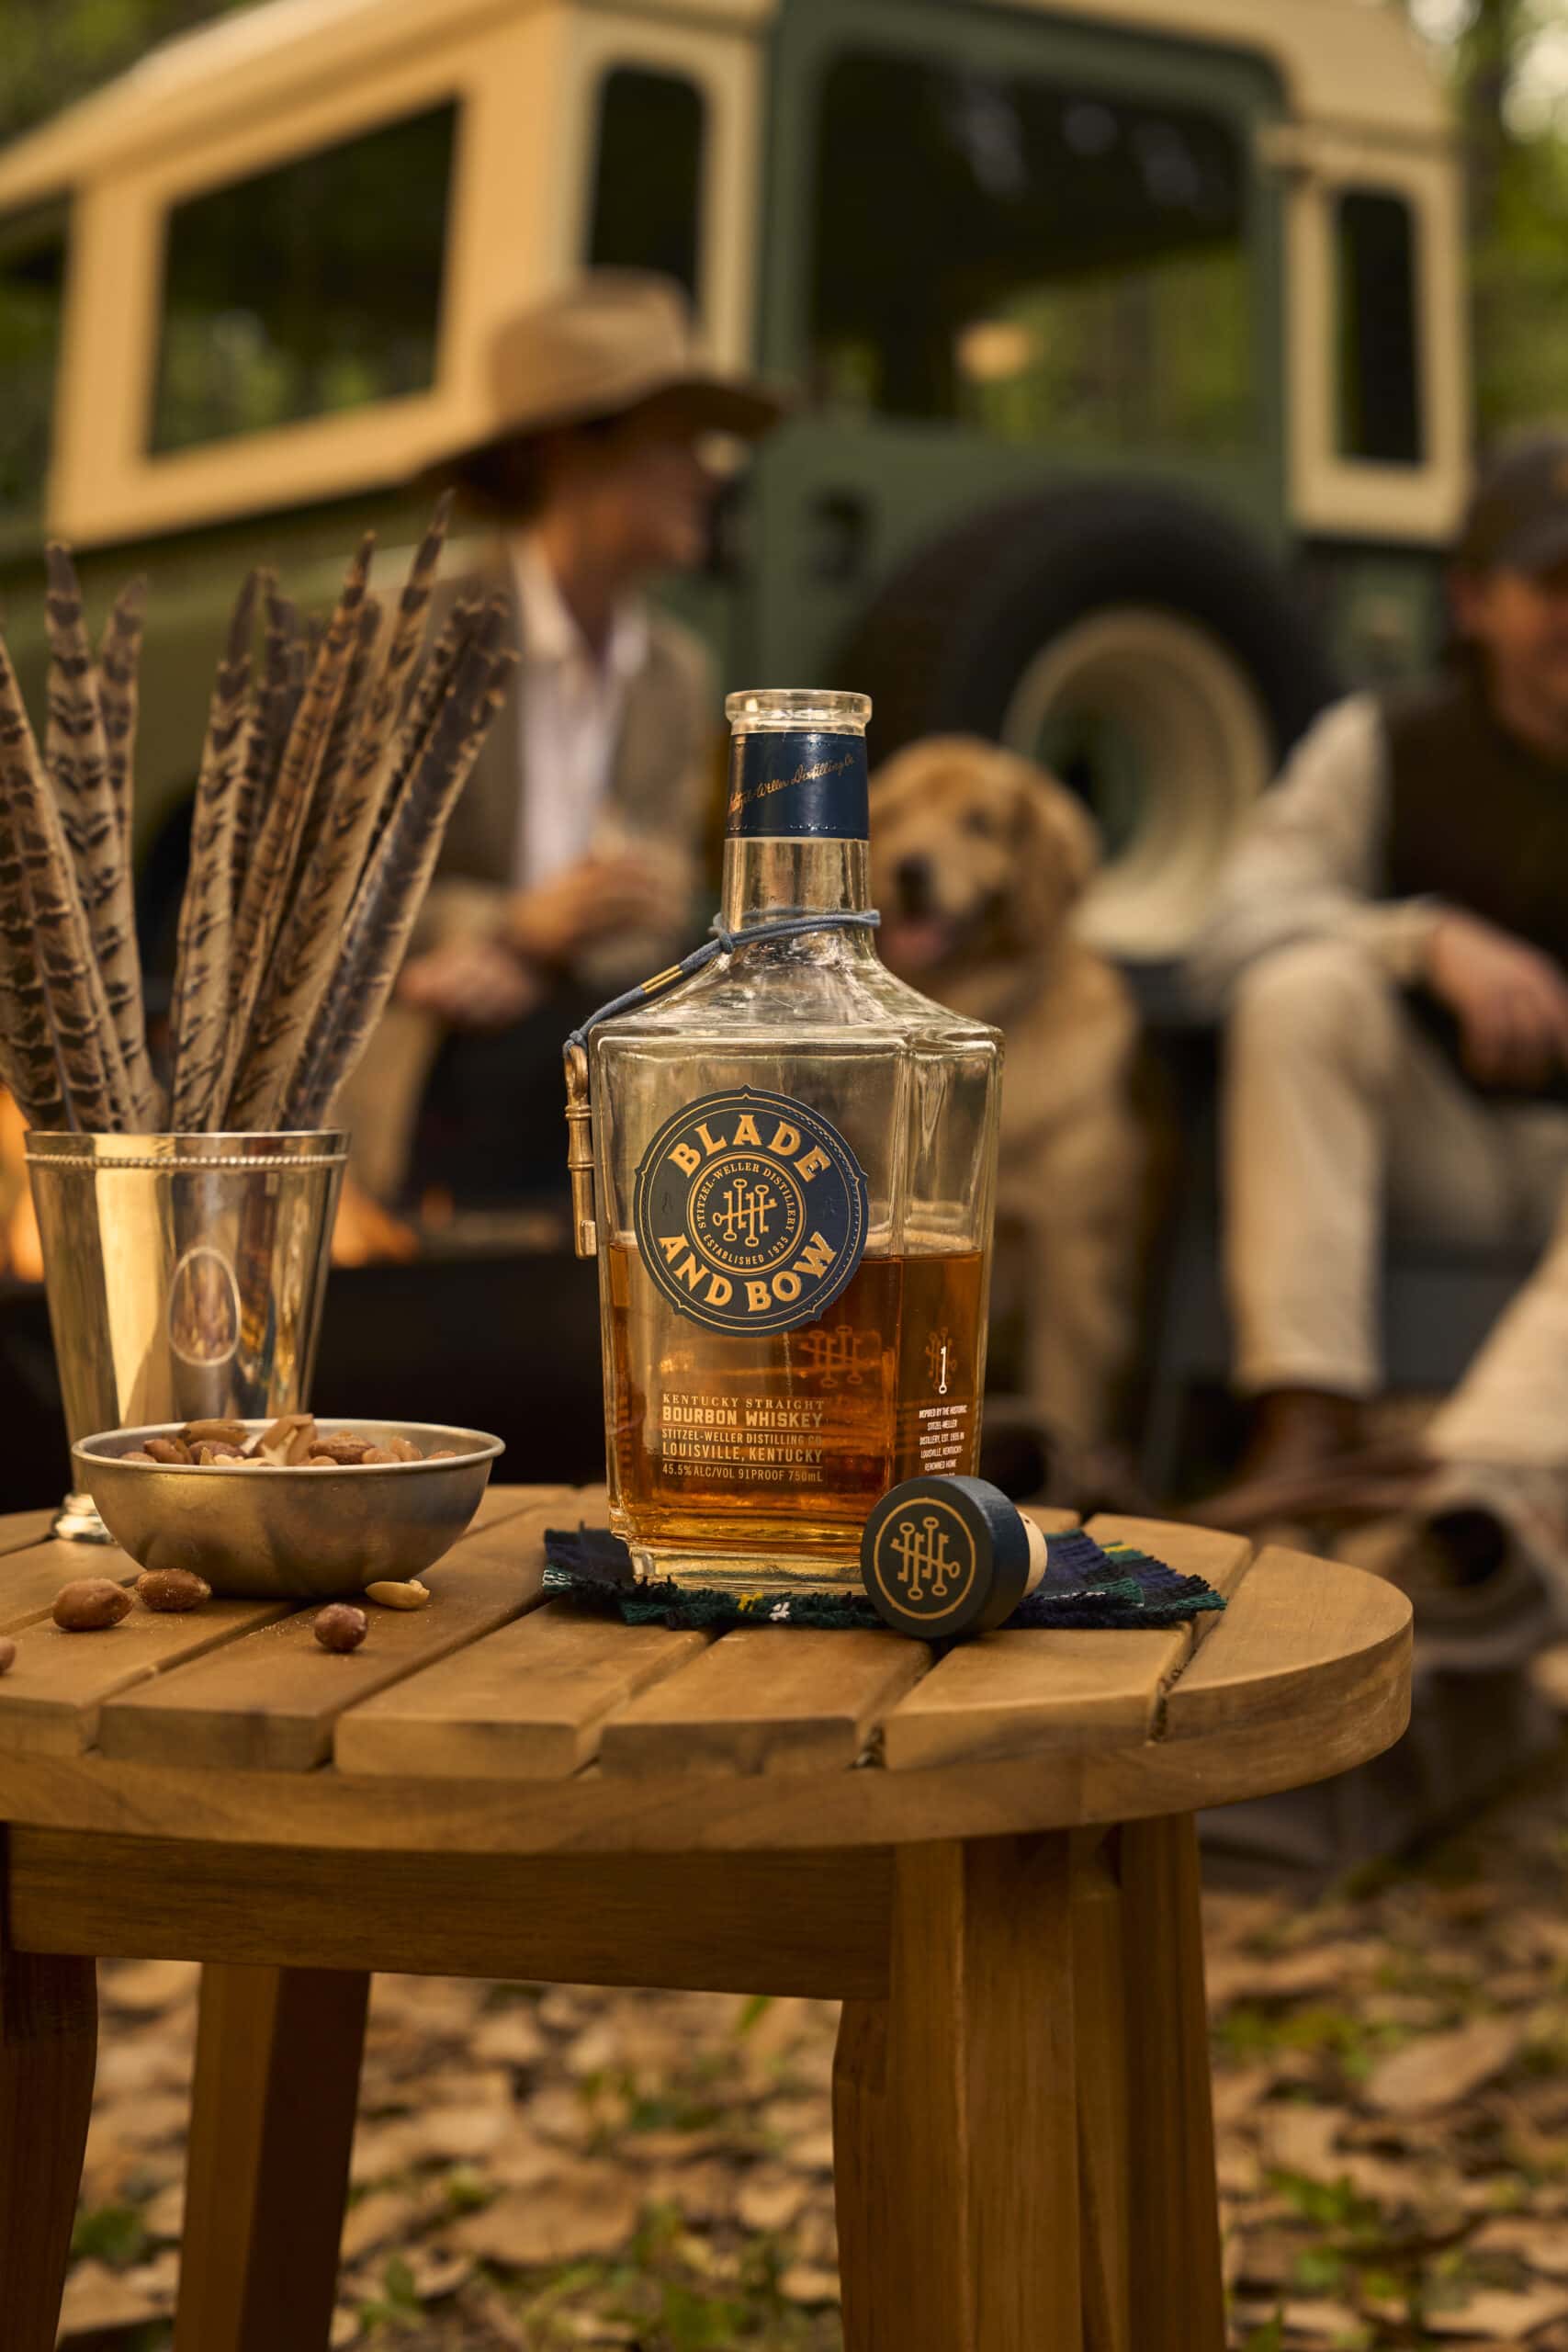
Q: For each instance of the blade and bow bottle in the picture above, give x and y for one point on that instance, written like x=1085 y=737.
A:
x=794 y=1158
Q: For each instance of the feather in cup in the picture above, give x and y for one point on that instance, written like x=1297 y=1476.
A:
x=27 y=1061
x=89 y=1059
x=119 y=661
x=76 y=751
x=394 y=885
x=199 y=1006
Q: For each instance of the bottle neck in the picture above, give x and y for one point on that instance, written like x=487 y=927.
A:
x=774 y=875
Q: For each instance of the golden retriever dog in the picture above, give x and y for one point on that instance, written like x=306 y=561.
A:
x=977 y=859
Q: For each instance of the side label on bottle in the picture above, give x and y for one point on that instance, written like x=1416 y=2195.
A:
x=749 y=1211
x=799 y=783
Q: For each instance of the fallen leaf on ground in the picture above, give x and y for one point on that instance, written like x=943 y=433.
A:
x=1294 y=2137
x=803 y=2284
x=769 y=2200
x=99 y=2299
x=1442 y=2068
x=1505 y=2317
x=559 y=2222
x=376 y=2219
x=1543 y=2243
x=1321 y=2322
x=508 y=2037
x=165 y=2216
x=150 y=1984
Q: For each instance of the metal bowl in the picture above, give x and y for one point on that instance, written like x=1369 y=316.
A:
x=289 y=1534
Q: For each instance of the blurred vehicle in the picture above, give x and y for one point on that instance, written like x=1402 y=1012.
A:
x=1131 y=332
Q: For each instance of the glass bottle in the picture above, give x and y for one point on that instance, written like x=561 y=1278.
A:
x=795 y=1158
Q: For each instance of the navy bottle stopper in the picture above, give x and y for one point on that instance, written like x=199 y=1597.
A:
x=945 y=1557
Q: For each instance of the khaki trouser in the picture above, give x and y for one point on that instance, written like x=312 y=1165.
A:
x=1338 y=1115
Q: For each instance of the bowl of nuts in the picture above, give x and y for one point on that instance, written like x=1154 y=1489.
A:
x=290 y=1509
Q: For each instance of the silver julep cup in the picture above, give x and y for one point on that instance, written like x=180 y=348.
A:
x=185 y=1277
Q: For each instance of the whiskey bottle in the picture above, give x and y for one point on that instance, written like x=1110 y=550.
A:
x=794 y=1158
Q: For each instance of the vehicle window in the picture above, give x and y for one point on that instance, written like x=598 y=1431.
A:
x=32 y=287
x=648 y=174
x=1043 y=261
x=307 y=289
x=1379 y=389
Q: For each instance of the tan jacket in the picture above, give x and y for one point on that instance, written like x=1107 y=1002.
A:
x=664 y=783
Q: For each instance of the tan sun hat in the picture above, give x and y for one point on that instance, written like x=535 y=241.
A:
x=611 y=342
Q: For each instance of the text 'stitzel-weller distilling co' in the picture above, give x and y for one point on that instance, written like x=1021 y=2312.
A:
x=794 y=1158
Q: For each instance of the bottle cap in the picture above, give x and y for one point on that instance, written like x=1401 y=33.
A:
x=945 y=1557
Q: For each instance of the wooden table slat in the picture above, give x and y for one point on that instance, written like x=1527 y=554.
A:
x=1292 y=1623
x=32 y=1575
x=271 y=1704
x=1221 y=1560
x=1008 y=1693
x=53 y=1700
x=527 y=1701
x=24 y=1529
x=772 y=1699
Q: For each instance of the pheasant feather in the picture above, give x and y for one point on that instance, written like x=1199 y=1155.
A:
x=395 y=882
x=269 y=883
x=403 y=645
x=200 y=1012
x=76 y=751
x=27 y=1061
x=310 y=939
x=120 y=663
x=90 y=1067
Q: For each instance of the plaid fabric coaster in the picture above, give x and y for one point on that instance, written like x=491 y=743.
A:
x=1085 y=1583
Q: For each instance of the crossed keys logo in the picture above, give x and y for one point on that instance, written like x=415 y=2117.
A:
x=925 y=1568
x=746 y=1211
x=937 y=1347
x=838 y=1351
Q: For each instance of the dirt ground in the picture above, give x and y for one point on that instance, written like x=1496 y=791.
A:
x=539 y=2168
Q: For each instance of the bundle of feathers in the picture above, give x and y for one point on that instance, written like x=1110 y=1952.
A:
x=330 y=768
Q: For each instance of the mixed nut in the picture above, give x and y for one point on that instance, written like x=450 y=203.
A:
x=292 y=1443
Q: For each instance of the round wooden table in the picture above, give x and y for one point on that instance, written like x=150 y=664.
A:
x=991 y=1859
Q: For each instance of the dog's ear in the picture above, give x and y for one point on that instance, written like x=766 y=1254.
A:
x=1058 y=847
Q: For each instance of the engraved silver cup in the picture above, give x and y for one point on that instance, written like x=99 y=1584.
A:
x=185 y=1277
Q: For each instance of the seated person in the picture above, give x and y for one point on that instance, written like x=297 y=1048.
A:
x=571 y=864
x=1388 y=946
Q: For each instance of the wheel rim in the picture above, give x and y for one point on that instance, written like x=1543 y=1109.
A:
x=1153 y=721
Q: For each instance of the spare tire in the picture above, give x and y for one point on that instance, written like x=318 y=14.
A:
x=1138 y=643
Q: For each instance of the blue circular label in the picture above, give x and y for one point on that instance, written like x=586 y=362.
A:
x=749 y=1211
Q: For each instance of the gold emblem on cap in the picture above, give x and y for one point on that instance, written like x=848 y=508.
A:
x=922 y=1564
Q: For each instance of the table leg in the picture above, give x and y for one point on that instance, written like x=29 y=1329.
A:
x=1178 y=2297
x=49 y=2044
x=1099 y=2020
x=272 y=2124
x=955 y=2133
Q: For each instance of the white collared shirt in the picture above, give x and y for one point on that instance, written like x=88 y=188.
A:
x=572 y=705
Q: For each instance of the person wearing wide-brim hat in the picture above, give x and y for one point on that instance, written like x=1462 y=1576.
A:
x=571 y=864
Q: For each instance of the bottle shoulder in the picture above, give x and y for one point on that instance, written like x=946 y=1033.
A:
x=768 y=994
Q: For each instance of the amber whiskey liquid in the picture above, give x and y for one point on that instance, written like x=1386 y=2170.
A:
x=782 y=1442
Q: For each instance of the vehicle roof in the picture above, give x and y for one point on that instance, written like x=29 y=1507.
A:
x=1353 y=64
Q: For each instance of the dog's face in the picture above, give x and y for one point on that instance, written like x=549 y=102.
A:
x=977 y=857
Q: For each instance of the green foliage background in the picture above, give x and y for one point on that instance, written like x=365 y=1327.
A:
x=55 y=51
x=1517 y=190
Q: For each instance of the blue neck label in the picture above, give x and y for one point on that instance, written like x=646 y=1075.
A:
x=799 y=783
